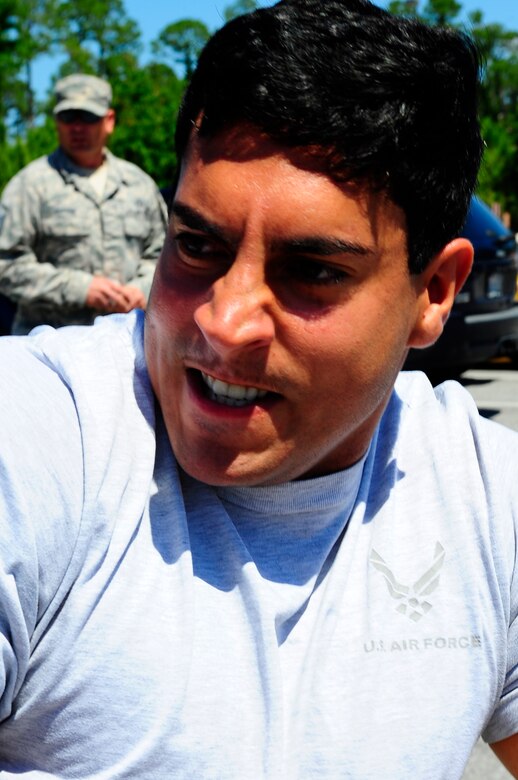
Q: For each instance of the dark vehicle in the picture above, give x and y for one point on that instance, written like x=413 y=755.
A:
x=7 y=310
x=484 y=320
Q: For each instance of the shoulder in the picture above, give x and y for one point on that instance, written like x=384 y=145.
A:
x=420 y=403
x=104 y=367
x=442 y=468
x=131 y=173
x=79 y=371
x=34 y=177
x=107 y=355
x=441 y=421
x=447 y=411
x=41 y=165
x=86 y=382
x=450 y=459
x=76 y=442
x=41 y=467
x=33 y=395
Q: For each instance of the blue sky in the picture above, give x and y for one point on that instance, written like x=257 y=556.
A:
x=154 y=15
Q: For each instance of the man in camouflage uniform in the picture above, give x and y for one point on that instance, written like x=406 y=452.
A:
x=81 y=229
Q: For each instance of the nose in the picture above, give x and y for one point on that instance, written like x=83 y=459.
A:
x=238 y=315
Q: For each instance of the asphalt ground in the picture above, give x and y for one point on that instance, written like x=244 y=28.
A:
x=494 y=387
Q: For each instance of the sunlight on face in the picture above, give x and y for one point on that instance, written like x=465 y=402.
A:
x=279 y=317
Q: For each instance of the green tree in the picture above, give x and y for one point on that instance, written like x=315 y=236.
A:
x=95 y=36
x=442 y=12
x=146 y=104
x=36 y=37
x=182 y=42
x=17 y=53
x=238 y=8
x=403 y=7
x=498 y=108
x=25 y=37
x=498 y=95
x=94 y=33
x=8 y=65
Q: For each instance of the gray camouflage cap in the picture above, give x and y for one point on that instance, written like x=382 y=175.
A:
x=81 y=92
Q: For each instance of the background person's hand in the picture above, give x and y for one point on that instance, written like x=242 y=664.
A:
x=107 y=295
x=134 y=296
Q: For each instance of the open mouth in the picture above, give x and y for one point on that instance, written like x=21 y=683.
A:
x=228 y=394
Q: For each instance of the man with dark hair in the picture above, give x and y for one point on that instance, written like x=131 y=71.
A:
x=236 y=542
x=80 y=229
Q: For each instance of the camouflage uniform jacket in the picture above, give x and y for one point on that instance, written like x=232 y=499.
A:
x=57 y=233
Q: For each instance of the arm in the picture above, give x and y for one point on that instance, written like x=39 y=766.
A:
x=507 y=751
x=40 y=504
x=23 y=277
x=501 y=731
x=152 y=246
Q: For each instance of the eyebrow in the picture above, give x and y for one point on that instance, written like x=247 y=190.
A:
x=322 y=246
x=194 y=220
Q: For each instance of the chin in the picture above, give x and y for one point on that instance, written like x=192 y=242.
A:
x=239 y=472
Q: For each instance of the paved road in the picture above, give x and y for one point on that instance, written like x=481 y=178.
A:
x=484 y=765
x=495 y=390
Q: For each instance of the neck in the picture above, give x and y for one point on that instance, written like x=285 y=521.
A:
x=87 y=160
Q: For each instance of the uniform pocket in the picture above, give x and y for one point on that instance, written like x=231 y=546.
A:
x=65 y=224
x=135 y=225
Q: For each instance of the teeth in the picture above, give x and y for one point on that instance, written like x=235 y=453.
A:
x=231 y=395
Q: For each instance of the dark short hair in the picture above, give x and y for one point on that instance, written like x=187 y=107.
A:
x=387 y=100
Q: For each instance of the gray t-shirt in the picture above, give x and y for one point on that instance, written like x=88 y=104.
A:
x=360 y=625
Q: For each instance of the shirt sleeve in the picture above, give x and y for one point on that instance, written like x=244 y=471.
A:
x=504 y=720
x=23 y=277
x=153 y=242
x=40 y=504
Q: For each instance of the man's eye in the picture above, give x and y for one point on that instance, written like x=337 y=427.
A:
x=196 y=246
x=313 y=272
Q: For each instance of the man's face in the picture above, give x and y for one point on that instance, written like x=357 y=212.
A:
x=84 y=141
x=280 y=314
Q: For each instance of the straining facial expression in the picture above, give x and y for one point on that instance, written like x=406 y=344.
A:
x=281 y=312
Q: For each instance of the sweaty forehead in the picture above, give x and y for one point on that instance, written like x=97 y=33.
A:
x=246 y=142
x=247 y=158
x=244 y=160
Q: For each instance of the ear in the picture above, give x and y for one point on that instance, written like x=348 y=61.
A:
x=109 y=121
x=436 y=289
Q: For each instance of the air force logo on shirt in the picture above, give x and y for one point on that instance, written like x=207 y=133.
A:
x=412 y=599
x=413 y=602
